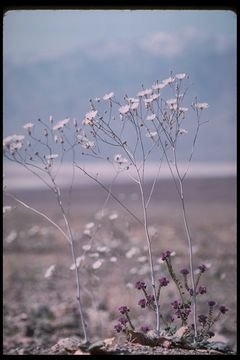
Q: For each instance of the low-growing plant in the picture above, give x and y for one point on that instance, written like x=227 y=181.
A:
x=178 y=326
x=128 y=136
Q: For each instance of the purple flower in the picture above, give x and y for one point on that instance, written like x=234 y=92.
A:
x=202 y=268
x=165 y=255
x=184 y=272
x=150 y=298
x=223 y=309
x=211 y=303
x=211 y=334
x=118 y=328
x=163 y=281
x=123 y=310
x=202 y=289
x=123 y=320
x=142 y=303
x=202 y=319
x=175 y=304
x=145 y=329
x=140 y=285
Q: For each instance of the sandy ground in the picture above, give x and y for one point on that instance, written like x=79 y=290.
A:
x=38 y=311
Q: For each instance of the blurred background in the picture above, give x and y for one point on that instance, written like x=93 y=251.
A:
x=54 y=61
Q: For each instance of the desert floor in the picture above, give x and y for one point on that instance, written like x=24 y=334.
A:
x=39 y=311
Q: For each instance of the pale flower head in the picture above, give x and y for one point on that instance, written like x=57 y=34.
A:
x=134 y=106
x=51 y=156
x=183 y=109
x=60 y=124
x=12 y=138
x=151 y=134
x=118 y=158
x=91 y=115
x=145 y=92
x=158 y=86
x=7 y=209
x=28 y=126
x=151 y=117
x=124 y=109
x=201 y=106
x=49 y=272
x=108 y=96
x=182 y=131
x=169 y=80
x=181 y=76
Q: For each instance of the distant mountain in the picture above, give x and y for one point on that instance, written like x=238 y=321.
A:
x=63 y=87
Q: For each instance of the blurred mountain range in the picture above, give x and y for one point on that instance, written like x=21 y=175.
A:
x=63 y=86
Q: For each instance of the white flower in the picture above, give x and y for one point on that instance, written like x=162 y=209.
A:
x=118 y=158
x=168 y=80
x=133 y=251
x=7 y=209
x=89 y=225
x=108 y=96
x=60 y=124
x=158 y=86
x=181 y=76
x=49 y=272
x=51 y=119
x=201 y=106
x=11 y=138
x=91 y=115
x=85 y=143
x=51 y=157
x=113 y=216
x=132 y=100
x=28 y=126
x=97 y=264
x=183 y=109
x=12 y=236
x=145 y=92
x=124 y=109
x=97 y=99
x=79 y=260
x=151 y=117
x=15 y=146
x=113 y=259
x=151 y=134
x=103 y=249
x=134 y=106
x=86 y=247
x=171 y=102
x=155 y=96
x=182 y=131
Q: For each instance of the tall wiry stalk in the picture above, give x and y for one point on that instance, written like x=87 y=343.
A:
x=149 y=116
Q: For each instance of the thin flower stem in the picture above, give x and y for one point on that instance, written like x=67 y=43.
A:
x=39 y=213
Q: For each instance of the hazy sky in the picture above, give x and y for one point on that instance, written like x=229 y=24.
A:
x=55 y=60
x=32 y=35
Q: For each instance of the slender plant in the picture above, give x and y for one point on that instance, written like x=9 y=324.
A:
x=127 y=135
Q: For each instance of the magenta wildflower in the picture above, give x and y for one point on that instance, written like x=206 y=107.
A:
x=142 y=303
x=165 y=255
x=145 y=329
x=118 y=328
x=123 y=321
x=223 y=309
x=184 y=271
x=123 y=310
x=163 y=281
x=202 y=319
x=202 y=268
x=202 y=289
x=140 y=285
x=211 y=303
x=211 y=334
